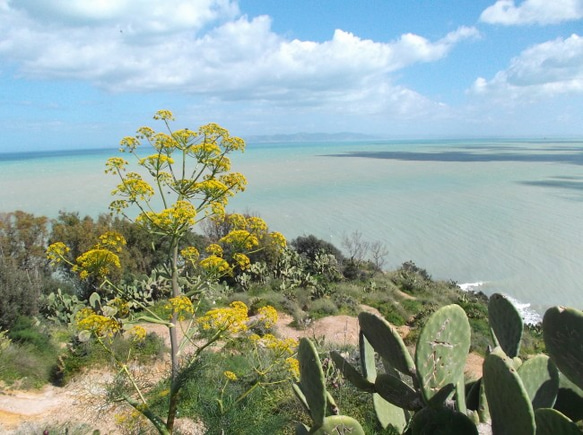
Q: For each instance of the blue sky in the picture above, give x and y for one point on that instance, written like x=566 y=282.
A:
x=85 y=73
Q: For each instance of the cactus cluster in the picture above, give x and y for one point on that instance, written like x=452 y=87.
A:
x=428 y=394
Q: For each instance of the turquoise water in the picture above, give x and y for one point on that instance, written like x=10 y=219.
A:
x=506 y=214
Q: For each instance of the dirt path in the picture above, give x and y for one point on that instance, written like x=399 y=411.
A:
x=82 y=401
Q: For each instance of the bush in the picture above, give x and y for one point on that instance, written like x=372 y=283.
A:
x=310 y=246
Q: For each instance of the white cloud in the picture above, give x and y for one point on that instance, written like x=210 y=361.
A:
x=544 y=70
x=129 y=15
x=207 y=48
x=533 y=12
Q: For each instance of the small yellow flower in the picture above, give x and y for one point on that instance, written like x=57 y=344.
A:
x=56 y=252
x=230 y=375
x=242 y=261
x=181 y=305
x=268 y=315
x=137 y=333
x=190 y=254
x=214 y=249
x=215 y=266
x=293 y=366
x=233 y=319
x=242 y=240
x=102 y=326
x=97 y=262
x=115 y=165
x=165 y=115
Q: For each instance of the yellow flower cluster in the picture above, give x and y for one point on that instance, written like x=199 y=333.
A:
x=114 y=165
x=230 y=375
x=242 y=261
x=285 y=346
x=145 y=133
x=190 y=254
x=129 y=144
x=134 y=188
x=97 y=262
x=214 y=249
x=256 y=225
x=268 y=315
x=102 y=326
x=215 y=266
x=56 y=252
x=175 y=219
x=278 y=239
x=180 y=305
x=238 y=221
x=293 y=366
x=165 y=143
x=241 y=240
x=165 y=115
x=234 y=182
x=232 y=319
x=111 y=240
x=205 y=151
x=137 y=333
x=156 y=162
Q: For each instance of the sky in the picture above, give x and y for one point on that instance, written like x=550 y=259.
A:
x=86 y=73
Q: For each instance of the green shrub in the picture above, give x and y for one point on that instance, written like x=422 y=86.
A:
x=323 y=307
x=310 y=246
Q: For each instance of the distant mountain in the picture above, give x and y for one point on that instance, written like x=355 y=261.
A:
x=310 y=137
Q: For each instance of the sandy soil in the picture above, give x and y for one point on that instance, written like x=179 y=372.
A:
x=82 y=402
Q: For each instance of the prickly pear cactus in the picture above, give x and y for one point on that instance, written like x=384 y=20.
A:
x=540 y=378
x=563 y=336
x=506 y=324
x=508 y=401
x=387 y=342
x=552 y=422
x=442 y=350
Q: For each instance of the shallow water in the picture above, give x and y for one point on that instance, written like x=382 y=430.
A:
x=508 y=214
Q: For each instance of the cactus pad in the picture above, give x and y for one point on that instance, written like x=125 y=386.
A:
x=563 y=335
x=569 y=399
x=510 y=407
x=442 y=349
x=552 y=422
x=395 y=391
x=387 y=342
x=339 y=424
x=443 y=421
x=540 y=378
x=506 y=324
x=312 y=381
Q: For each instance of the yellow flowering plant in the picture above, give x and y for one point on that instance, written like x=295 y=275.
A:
x=168 y=182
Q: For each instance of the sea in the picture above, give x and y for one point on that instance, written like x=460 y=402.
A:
x=495 y=215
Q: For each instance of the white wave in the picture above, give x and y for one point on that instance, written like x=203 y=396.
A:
x=471 y=286
x=529 y=315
